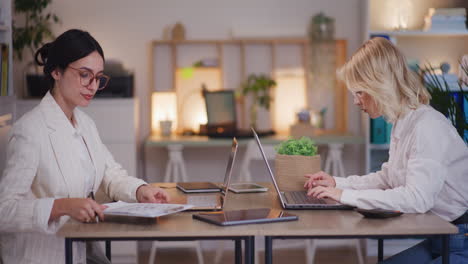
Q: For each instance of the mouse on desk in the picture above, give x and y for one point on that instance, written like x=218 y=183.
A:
x=378 y=213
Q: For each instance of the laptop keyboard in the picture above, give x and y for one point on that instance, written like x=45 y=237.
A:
x=203 y=200
x=300 y=197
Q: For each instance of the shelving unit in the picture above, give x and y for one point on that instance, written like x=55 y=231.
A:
x=7 y=103
x=235 y=62
x=427 y=47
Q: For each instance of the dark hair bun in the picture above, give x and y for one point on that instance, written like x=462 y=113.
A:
x=43 y=53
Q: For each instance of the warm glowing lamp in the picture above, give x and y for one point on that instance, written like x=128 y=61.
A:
x=290 y=94
x=163 y=108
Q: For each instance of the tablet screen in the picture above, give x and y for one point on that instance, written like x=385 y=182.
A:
x=247 y=186
x=262 y=215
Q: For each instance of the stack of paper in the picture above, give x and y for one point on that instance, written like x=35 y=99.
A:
x=143 y=209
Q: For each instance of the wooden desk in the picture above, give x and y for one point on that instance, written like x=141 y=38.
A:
x=311 y=224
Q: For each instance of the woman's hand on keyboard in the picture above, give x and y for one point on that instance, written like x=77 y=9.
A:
x=319 y=179
x=321 y=192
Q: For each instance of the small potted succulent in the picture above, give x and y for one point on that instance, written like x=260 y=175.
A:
x=294 y=159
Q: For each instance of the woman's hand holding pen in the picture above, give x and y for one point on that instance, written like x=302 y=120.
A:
x=81 y=209
x=150 y=194
x=322 y=185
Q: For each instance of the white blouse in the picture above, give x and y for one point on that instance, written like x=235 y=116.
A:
x=427 y=170
x=87 y=169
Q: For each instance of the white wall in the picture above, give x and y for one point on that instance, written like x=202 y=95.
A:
x=125 y=29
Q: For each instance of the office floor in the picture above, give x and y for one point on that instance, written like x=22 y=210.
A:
x=336 y=255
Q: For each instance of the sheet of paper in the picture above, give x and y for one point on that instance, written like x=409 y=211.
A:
x=143 y=209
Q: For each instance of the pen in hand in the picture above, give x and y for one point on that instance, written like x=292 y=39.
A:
x=91 y=195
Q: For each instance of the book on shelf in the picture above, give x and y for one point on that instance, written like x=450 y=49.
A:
x=4 y=70
x=380 y=131
x=445 y=19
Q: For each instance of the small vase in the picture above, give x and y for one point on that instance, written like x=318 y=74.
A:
x=322 y=31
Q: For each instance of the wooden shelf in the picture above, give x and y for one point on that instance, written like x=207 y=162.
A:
x=233 y=41
x=420 y=33
x=379 y=146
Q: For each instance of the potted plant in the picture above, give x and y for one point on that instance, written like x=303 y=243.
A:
x=30 y=35
x=446 y=98
x=294 y=159
x=259 y=86
x=321 y=27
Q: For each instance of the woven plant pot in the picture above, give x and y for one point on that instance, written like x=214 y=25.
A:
x=290 y=170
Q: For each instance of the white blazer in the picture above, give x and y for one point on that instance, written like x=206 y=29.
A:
x=40 y=168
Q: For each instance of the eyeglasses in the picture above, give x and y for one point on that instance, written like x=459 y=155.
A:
x=358 y=94
x=87 y=77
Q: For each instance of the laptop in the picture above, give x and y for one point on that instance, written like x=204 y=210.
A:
x=298 y=199
x=215 y=201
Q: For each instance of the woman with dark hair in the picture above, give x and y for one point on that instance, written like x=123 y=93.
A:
x=427 y=169
x=56 y=159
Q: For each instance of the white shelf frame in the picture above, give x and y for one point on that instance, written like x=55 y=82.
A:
x=420 y=33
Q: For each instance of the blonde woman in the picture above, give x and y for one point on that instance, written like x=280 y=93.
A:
x=427 y=168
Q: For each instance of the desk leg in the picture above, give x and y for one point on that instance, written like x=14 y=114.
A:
x=380 y=249
x=249 y=250
x=68 y=251
x=445 y=249
x=238 y=251
x=108 y=250
x=252 y=249
x=268 y=250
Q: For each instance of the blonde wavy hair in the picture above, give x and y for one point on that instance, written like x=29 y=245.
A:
x=379 y=69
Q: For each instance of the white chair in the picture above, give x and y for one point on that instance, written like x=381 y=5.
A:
x=175 y=172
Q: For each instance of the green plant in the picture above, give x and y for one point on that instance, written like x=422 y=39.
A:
x=259 y=87
x=303 y=147
x=321 y=18
x=35 y=28
x=444 y=99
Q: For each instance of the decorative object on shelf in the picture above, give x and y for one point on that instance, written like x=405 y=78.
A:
x=178 y=32
x=322 y=28
x=163 y=112
x=259 y=86
x=303 y=126
x=445 y=19
x=35 y=30
x=397 y=14
x=322 y=64
x=447 y=97
x=208 y=62
x=166 y=127
x=294 y=159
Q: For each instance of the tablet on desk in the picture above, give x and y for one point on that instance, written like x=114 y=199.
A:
x=198 y=187
x=247 y=188
x=250 y=216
